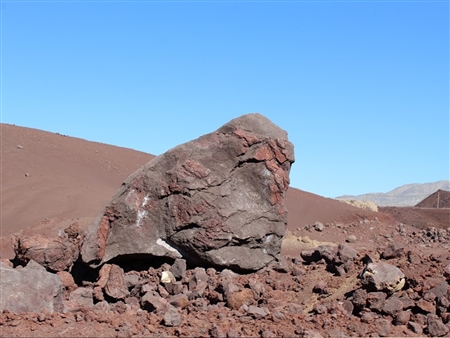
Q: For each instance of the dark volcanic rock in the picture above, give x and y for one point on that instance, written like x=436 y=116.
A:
x=217 y=200
x=31 y=289
x=393 y=250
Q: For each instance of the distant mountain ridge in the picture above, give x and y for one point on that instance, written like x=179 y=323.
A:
x=405 y=195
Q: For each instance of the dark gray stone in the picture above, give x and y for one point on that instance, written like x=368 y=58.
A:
x=217 y=200
x=172 y=317
x=346 y=253
x=178 y=268
x=392 y=306
x=436 y=327
x=384 y=327
x=31 y=289
x=402 y=317
x=257 y=312
x=359 y=298
x=376 y=300
x=393 y=250
x=415 y=327
x=440 y=290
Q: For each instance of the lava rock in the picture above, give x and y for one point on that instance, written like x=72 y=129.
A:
x=172 y=317
x=383 y=277
x=217 y=200
x=31 y=289
x=435 y=326
x=393 y=250
x=178 y=268
x=116 y=287
x=55 y=254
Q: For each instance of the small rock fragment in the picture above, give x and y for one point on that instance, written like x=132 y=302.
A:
x=383 y=277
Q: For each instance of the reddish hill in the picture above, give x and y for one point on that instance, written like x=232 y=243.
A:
x=438 y=199
x=49 y=180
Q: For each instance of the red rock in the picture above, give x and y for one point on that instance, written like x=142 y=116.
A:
x=236 y=299
x=392 y=306
x=55 y=254
x=67 y=280
x=151 y=302
x=115 y=286
x=429 y=307
x=179 y=300
x=402 y=317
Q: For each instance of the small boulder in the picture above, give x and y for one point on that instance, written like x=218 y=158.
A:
x=257 y=312
x=55 y=254
x=172 y=317
x=237 y=299
x=383 y=327
x=178 y=268
x=393 y=250
x=31 y=289
x=116 y=287
x=392 y=306
x=436 y=328
x=346 y=253
x=152 y=302
x=383 y=277
x=67 y=280
x=81 y=298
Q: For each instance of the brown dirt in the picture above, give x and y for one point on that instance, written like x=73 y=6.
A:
x=49 y=181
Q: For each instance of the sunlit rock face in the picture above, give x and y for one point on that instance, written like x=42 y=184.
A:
x=217 y=200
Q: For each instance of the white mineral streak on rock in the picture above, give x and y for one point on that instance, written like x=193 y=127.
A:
x=140 y=216
x=165 y=245
x=144 y=202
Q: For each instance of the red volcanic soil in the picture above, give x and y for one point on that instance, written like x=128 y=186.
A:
x=421 y=218
x=50 y=180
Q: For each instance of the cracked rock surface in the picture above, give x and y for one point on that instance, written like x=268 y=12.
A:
x=217 y=200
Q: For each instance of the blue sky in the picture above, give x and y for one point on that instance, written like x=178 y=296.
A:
x=361 y=87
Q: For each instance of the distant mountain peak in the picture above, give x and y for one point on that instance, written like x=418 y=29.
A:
x=405 y=195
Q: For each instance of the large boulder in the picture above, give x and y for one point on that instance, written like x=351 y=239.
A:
x=31 y=289
x=217 y=200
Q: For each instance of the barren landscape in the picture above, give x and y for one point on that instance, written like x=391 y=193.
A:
x=323 y=286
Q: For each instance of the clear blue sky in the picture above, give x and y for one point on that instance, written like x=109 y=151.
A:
x=362 y=87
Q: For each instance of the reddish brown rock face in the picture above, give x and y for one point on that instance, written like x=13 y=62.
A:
x=217 y=200
x=55 y=254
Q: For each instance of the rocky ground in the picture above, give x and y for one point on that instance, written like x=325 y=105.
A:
x=318 y=290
